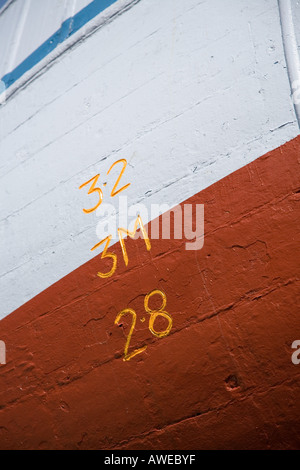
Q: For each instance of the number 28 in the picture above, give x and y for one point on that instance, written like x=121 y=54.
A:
x=153 y=316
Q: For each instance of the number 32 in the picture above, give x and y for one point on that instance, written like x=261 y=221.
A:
x=95 y=189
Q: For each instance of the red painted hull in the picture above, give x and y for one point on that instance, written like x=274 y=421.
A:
x=222 y=379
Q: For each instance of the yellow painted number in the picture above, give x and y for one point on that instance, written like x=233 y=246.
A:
x=155 y=313
x=153 y=316
x=114 y=190
x=104 y=255
x=138 y=222
x=128 y=356
x=93 y=189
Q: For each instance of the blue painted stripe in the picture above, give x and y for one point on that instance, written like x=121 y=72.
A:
x=2 y=3
x=67 y=29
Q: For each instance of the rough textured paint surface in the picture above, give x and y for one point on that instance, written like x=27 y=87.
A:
x=199 y=95
x=222 y=379
x=26 y=24
x=296 y=19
